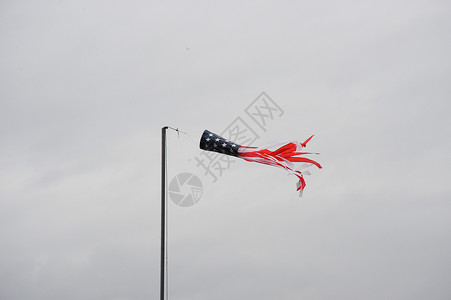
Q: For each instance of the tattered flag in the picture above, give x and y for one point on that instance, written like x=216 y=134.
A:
x=287 y=155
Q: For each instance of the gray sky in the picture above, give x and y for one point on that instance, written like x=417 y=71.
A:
x=85 y=87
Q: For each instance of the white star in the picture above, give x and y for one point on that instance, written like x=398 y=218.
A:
x=233 y=145
x=211 y=134
x=214 y=145
x=217 y=140
x=223 y=145
x=207 y=139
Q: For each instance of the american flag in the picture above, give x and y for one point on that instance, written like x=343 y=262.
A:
x=287 y=155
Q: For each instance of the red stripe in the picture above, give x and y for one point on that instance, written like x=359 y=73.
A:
x=280 y=158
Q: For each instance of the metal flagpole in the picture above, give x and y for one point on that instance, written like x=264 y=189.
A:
x=163 y=209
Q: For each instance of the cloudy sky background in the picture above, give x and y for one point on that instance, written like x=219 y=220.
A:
x=85 y=87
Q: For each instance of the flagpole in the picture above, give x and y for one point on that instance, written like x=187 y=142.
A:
x=163 y=209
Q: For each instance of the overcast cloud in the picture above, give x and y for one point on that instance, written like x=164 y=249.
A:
x=85 y=87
